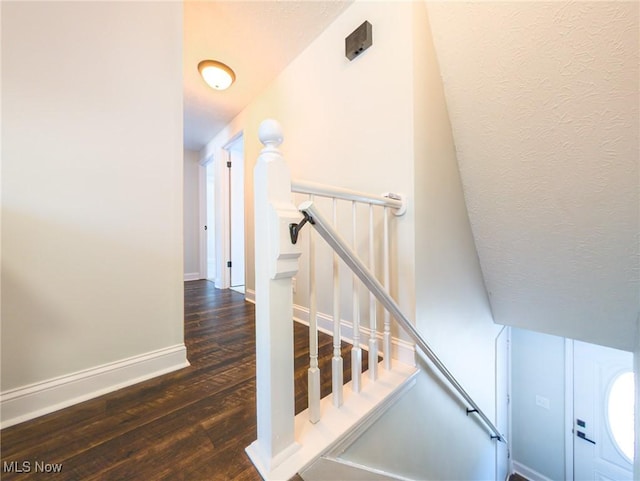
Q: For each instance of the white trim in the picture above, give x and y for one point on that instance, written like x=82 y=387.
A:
x=192 y=276
x=367 y=470
x=403 y=351
x=229 y=145
x=220 y=214
x=250 y=296
x=37 y=399
x=503 y=340
x=510 y=411
x=528 y=473
x=223 y=229
x=205 y=160
x=236 y=193
x=202 y=217
x=568 y=409
x=223 y=209
x=336 y=422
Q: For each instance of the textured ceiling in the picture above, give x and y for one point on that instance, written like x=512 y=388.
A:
x=257 y=39
x=543 y=100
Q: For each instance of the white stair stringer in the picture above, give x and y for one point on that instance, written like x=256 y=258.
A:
x=327 y=468
x=340 y=426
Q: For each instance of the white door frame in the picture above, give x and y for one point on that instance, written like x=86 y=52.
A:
x=223 y=225
x=503 y=336
x=202 y=216
x=236 y=216
x=222 y=208
x=568 y=409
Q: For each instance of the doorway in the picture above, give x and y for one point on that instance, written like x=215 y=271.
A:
x=603 y=413
x=235 y=168
x=210 y=223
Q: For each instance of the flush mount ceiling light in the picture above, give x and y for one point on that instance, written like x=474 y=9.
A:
x=217 y=75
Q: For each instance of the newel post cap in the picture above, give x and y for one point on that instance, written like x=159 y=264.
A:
x=270 y=133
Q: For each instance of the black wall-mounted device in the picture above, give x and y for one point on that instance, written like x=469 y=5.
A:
x=358 y=41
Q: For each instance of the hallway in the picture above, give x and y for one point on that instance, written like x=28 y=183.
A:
x=192 y=424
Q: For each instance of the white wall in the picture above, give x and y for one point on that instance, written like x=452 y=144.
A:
x=191 y=209
x=538 y=369
x=428 y=434
x=91 y=193
x=376 y=124
x=347 y=123
x=452 y=307
x=544 y=100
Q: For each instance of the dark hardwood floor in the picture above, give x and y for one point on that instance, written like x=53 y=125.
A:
x=189 y=425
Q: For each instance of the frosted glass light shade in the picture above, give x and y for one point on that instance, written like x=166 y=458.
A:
x=217 y=75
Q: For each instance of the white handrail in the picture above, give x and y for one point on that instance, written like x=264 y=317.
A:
x=333 y=238
x=395 y=201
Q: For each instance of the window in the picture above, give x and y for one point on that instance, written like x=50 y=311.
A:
x=620 y=416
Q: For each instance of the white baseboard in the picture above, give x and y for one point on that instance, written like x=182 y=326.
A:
x=401 y=350
x=192 y=276
x=527 y=472
x=250 y=296
x=28 y=402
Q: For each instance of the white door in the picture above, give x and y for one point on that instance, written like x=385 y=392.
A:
x=236 y=212
x=210 y=222
x=603 y=428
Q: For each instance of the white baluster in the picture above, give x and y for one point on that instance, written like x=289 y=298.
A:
x=386 y=340
x=373 y=338
x=336 y=362
x=356 y=351
x=276 y=262
x=314 y=370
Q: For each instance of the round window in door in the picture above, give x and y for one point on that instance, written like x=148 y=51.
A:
x=620 y=417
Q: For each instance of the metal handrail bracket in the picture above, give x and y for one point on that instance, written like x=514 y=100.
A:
x=333 y=238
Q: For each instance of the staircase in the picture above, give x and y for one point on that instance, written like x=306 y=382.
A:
x=338 y=463
x=317 y=440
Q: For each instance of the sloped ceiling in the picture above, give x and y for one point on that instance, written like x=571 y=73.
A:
x=543 y=100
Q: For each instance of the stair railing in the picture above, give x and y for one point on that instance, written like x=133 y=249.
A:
x=313 y=216
x=277 y=225
x=277 y=252
x=389 y=203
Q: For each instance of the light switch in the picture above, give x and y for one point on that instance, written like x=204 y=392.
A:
x=542 y=401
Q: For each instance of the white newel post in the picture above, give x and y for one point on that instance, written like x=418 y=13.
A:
x=276 y=262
